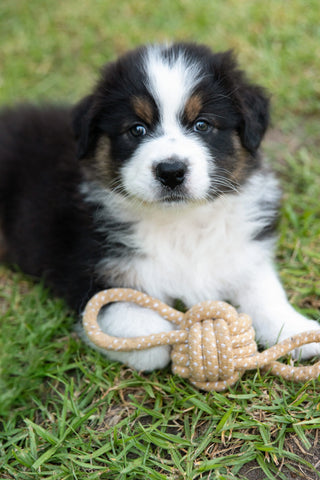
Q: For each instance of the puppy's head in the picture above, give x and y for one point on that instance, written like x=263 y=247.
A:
x=170 y=124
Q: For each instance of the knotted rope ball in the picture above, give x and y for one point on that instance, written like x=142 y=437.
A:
x=213 y=345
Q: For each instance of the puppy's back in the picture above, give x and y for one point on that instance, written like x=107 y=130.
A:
x=44 y=225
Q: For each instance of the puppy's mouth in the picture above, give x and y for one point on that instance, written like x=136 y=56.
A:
x=176 y=195
x=170 y=199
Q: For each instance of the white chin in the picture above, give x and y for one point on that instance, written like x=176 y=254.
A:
x=176 y=201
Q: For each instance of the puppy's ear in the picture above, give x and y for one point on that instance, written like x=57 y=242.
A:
x=83 y=126
x=251 y=101
x=254 y=109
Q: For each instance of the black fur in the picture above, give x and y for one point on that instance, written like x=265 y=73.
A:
x=47 y=227
x=269 y=217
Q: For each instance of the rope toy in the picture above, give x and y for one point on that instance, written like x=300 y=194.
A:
x=213 y=345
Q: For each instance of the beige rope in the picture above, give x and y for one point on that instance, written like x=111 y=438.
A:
x=212 y=347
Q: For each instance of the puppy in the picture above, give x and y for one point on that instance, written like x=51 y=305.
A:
x=154 y=182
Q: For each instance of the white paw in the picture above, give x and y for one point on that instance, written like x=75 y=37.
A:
x=130 y=320
x=301 y=326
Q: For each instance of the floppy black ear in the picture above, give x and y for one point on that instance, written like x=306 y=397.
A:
x=83 y=126
x=254 y=110
x=251 y=101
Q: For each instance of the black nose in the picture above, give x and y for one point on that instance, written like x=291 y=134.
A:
x=171 y=174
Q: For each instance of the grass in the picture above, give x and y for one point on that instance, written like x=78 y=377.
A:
x=67 y=413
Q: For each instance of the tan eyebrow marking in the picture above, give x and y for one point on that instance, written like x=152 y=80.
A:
x=193 y=108
x=143 y=109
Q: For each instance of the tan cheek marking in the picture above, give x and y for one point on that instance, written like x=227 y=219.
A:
x=143 y=109
x=242 y=160
x=193 y=108
x=99 y=166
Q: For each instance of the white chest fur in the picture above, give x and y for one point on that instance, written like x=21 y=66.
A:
x=192 y=257
x=196 y=252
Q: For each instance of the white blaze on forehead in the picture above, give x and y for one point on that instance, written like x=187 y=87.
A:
x=170 y=81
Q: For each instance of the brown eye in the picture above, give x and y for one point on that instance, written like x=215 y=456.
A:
x=138 y=130
x=201 y=126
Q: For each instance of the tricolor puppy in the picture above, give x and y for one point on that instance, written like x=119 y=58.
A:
x=155 y=182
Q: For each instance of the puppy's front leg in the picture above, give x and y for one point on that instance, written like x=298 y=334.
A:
x=261 y=295
x=129 y=320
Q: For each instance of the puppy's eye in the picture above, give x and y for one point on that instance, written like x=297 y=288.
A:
x=138 y=130
x=201 y=126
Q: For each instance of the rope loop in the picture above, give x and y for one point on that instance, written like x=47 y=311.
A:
x=212 y=347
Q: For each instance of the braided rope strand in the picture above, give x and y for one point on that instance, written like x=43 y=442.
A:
x=213 y=346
